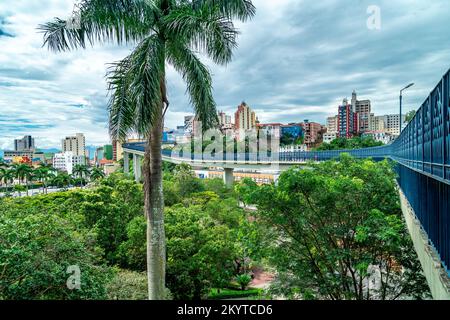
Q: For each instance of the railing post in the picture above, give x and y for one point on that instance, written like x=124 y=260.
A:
x=126 y=163
x=137 y=167
x=228 y=177
x=423 y=137
x=444 y=95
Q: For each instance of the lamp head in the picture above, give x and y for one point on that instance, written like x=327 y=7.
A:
x=408 y=86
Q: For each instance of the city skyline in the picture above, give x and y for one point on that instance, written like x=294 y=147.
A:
x=45 y=94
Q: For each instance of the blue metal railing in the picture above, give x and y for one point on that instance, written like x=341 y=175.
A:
x=423 y=154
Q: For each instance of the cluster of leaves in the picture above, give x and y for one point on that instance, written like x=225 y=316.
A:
x=338 y=232
x=36 y=249
x=350 y=144
x=289 y=139
x=410 y=115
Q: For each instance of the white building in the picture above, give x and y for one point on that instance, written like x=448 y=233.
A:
x=76 y=145
x=329 y=136
x=66 y=161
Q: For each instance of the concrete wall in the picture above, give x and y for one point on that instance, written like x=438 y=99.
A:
x=437 y=277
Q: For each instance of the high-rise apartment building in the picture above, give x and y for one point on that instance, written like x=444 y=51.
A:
x=224 y=119
x=388 y=123
x=332 y=124
x=348 y=121
x=24 y=144
x=245 y=118
x=75 y=144
x=364 y=110
x=378 y=123
x=108 y=153
x=393 y=123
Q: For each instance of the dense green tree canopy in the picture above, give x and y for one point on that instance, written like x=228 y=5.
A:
x=338 y=228
x=349 y=144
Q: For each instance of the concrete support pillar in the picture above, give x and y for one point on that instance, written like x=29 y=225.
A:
x=228 y=177
x=137 y=168
x=126 y=163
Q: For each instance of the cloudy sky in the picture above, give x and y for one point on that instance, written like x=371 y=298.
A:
x=296 y=60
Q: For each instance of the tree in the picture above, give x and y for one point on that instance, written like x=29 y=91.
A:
x=81 y=171
x=200 y=251
x=340 y=233
x=243 y=280
x=97 y=174
x=39 y=175
x=22 y=173
x=349 y=144
x=36 y=251
x=62 y=180
x=186 y=183
x=166 y=31
x=7 y=176
x=410 y=115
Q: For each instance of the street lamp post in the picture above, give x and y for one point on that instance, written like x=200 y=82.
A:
x=401 y=100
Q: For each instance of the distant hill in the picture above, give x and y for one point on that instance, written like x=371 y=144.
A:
x=51 y=150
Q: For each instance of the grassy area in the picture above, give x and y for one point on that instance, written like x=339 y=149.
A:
x=215 y=294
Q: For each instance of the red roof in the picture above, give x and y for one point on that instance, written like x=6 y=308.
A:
x=105 y=161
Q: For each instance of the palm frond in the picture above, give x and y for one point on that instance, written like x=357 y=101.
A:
x=135 y=83
x=232 y=9
x=198 y=80
x=120 y=21
x=205 y=29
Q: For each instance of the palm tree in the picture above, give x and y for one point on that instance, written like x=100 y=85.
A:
x=81 y=171
x=62 y=180
x=165 y=31
x=7 y=175
x=22 y=173
x=97 y=174
x=40 y=175
x=3 y=164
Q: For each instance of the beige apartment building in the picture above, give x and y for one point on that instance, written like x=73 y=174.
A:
x=332 y=124
x=75 y=144
x=245 y=118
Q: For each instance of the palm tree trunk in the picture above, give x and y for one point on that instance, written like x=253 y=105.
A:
x=154 y=210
